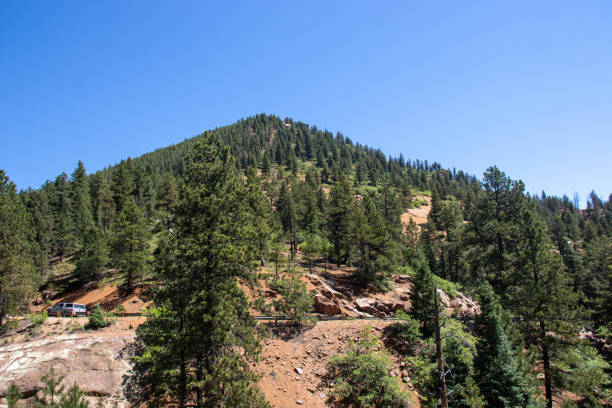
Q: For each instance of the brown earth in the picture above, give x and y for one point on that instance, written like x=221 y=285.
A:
x=419 y=215
x=294 y=364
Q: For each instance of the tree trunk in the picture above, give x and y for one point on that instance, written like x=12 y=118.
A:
x=182 y=391
x=443 y=397
x=546 y=364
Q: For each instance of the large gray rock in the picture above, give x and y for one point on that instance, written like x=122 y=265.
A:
x=97 y=362
x=365 y=305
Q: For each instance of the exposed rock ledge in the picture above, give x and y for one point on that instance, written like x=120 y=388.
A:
x=97 y=361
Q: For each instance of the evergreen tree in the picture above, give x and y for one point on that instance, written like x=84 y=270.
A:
x=498 y=373
x=131 y=242
x=379 y=254
x=81 y=204
x=261 y=211
x=293 y=300
x=167 y=196
x=13 y=395
x=422 y=295
x=550 y=316
x=494 y=230
x=73 y=398
x=105 y=210
x=42 y=218
x=93 y=256
x=285 y=207
x=123 y=185
x=65 y=240
x=17 y=271
x=340 y=211
x=200 y=338
x=312 y=247
x=52 y=389
x=265 y=166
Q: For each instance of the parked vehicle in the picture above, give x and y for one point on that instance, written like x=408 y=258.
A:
x=68 y=309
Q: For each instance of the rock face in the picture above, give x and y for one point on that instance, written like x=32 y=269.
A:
x=326 y=306
x=365 y=305
x=98 y=363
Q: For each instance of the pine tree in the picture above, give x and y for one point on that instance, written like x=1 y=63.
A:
x=93 y=256
x=65 y=240
x=200 y=338
x=494 y=230
x=422 y=295
x=52 y=389
x=293 y=300
x=548 y=308
x=42 y=219
x=131 y=242
x=167 y=196
x=498 y=373
x=73 y=398
x=105 y=210
x=81 y=204
x=123 y=185
x=339 y=213
x=285 y=208
x=262 y=212
x=13 y=395
x=265 y=166
x=379 y=254
x=17 y=271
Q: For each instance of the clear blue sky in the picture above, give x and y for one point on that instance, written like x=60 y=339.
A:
x=526 y=85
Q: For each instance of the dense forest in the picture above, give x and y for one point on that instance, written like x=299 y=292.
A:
x=202 y=214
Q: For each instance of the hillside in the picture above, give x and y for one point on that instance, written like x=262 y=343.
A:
x=294 y=359
x=276 y=218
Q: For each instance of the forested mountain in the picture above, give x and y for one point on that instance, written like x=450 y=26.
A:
x=244 y=193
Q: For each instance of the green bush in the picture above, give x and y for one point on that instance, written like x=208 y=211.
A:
x=407 y=330
x=447 y=287
x=119 y=310
x=294 y=300
x=404 y=270
x=98 y=319
x=362 y=378
x=38 y=319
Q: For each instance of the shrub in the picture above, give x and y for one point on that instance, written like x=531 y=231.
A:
x=407 y=331
x=294 y=299
x=38 y=319
x=119 y=310
x=362 y=378
x=98 y=319
x=447 y=287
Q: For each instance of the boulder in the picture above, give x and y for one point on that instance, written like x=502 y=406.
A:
x=326 y=306
x=325 y=287
x=365 y=305
x=97 y=362
x=381 y=306
x=444 y=299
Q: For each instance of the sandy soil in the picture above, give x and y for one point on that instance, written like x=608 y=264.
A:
x=419 y=215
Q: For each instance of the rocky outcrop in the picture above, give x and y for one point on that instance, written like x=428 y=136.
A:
x=326 y=306
x=365 y=305
x=460 y=305
x=98 y=363
x=325 y=287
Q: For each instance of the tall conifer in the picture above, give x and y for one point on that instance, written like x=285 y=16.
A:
x=200 y=338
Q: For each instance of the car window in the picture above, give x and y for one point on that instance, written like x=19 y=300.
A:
x=68 y=304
